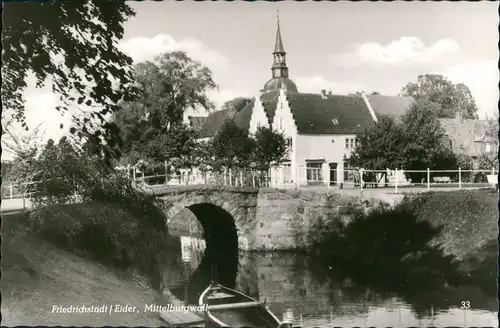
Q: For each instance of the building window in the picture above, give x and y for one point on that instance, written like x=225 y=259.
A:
x=314 y=172
x=348 y=172
x=289 y=142
x=350 y=143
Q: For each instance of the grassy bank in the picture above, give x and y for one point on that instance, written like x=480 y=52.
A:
x=469 y=219
x=105 y=232
x=431 y=239
x=82 y=254
x=37 y=274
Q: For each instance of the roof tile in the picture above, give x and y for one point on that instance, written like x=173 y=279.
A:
x=314 y=114
x=243 y=117
x=466 y=135
x=214 y=121
x=392 y=106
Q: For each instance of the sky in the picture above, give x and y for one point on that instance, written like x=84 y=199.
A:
x=339 y=46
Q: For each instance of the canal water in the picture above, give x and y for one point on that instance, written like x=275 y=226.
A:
x=296 y=292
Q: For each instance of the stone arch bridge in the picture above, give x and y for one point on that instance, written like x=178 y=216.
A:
x=260 y=218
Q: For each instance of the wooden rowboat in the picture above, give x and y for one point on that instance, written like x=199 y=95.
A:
x=227 y=307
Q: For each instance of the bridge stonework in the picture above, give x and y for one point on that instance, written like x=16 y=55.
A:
x=268 y=219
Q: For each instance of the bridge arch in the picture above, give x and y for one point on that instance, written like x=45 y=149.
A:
x=227 y=218
x=219 y=203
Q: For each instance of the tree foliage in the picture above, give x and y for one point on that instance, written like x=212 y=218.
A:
x=234 y=147
x=271 y=147
x=170 y=85
x=151 y=127
x=417 y=143
x=24 y=147
x=488 y=158
x=379 y=147
x=105 y=144
x=231 y=147
x=75 y=45
x=450 y=98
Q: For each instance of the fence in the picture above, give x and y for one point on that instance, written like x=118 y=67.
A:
x=306 y=177
x=396 y=179
x=19 y=191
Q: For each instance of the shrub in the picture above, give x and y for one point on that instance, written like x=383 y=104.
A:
x=86 y=206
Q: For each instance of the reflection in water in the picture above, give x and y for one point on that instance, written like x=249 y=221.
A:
x=293 y=292
x=220 y=259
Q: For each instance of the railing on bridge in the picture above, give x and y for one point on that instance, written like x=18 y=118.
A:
x=392 y=180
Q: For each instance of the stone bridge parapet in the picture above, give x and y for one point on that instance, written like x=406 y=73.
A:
x=266 y=219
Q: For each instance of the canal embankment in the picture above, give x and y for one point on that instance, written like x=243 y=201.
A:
x=82 y=254
x=469 y=219
x=433 y=239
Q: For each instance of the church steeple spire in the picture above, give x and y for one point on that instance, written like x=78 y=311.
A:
x=279 y=68
x=278 y=48
x=280 y=78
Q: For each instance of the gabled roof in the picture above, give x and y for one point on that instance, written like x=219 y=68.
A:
x=196 y=122
x=269 y=101
x=314 y=114
x=392 y=106
x=213 y=121
x=243 y=117
x=466 y=135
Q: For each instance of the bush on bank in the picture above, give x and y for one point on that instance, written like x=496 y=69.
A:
x=85 y=206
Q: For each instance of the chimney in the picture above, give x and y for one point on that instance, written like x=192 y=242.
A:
x=329 y=92
x=323 y=94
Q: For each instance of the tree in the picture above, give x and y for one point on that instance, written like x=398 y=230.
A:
x=105 y=144
x=19 y=143
x=231 y=147
x=170 y=85
x=426 y=145
x=450 y=98
x=379 y=147
x=75 y=44
x=24 y=147
x=271 y=147
x=488 y=158
x=417 y=143
x=151 y=127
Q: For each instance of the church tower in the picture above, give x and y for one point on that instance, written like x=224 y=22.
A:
x=279 y=70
